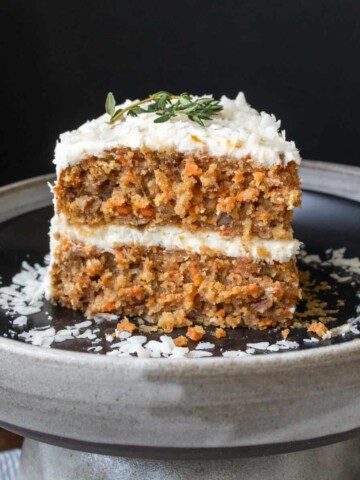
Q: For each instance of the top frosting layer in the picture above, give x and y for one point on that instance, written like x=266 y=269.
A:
x=237 y=131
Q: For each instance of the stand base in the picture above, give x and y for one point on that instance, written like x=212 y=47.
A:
x=340 y=461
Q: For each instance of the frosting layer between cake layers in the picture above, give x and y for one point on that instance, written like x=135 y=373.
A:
x=110 y=237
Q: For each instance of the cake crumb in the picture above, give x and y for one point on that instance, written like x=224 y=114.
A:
x=319 y=329
x=180 y=341
x=148 y=328
x=195 y=333
x=285 y=333
x=126 y=326
x=220 y=333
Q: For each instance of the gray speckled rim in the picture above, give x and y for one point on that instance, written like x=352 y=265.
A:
x=181 y=403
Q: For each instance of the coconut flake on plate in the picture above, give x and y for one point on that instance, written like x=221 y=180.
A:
x=258 y=345
x=234 y=354
x=204 y=346
x=20 y=321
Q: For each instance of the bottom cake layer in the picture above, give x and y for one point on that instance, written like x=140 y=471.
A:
x=173 y=288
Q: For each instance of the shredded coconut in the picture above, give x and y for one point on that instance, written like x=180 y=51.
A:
x=311 y=340
x=287 y=344
x=204 y=346
x=20 y=321
x=347 y=271
x=259 y=345
x=39 y=337
x=237 y=131
x=23 y=296
x=234 y=353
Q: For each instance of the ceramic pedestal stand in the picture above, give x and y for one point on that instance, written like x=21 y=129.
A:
x=340 y=461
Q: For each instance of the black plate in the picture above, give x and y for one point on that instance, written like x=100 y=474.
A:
x=324 y=222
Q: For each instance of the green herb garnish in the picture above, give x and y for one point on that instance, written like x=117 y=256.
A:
x=167 y=105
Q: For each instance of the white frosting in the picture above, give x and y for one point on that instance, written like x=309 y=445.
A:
x=110 y=237
x=238 y=130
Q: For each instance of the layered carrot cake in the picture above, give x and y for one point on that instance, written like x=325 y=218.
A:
x=177 y=209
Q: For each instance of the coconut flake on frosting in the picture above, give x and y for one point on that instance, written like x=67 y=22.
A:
x=237 y=131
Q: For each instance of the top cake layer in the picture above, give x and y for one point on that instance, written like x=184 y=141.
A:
x=236 y=132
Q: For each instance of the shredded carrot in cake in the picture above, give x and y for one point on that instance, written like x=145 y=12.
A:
x=108 y=307
x=147 y=212
x=191 y=169
x=123 y=210
x=259 y=177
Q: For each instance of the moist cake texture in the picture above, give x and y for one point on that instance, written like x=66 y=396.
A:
x=176 y=222
x=133 y=187
x=173 y=287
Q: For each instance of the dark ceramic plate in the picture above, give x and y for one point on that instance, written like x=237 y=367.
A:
x=324 y=222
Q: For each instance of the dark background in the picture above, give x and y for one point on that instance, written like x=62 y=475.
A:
x=297 y=59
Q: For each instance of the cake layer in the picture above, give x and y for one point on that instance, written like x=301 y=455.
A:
x=231 y=196
x=237 y=131
x=173 y=288
x=110 y=237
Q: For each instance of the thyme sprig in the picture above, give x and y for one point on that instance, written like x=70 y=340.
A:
x=167 y=105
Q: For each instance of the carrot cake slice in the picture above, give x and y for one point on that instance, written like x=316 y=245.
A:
x=177 y=209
